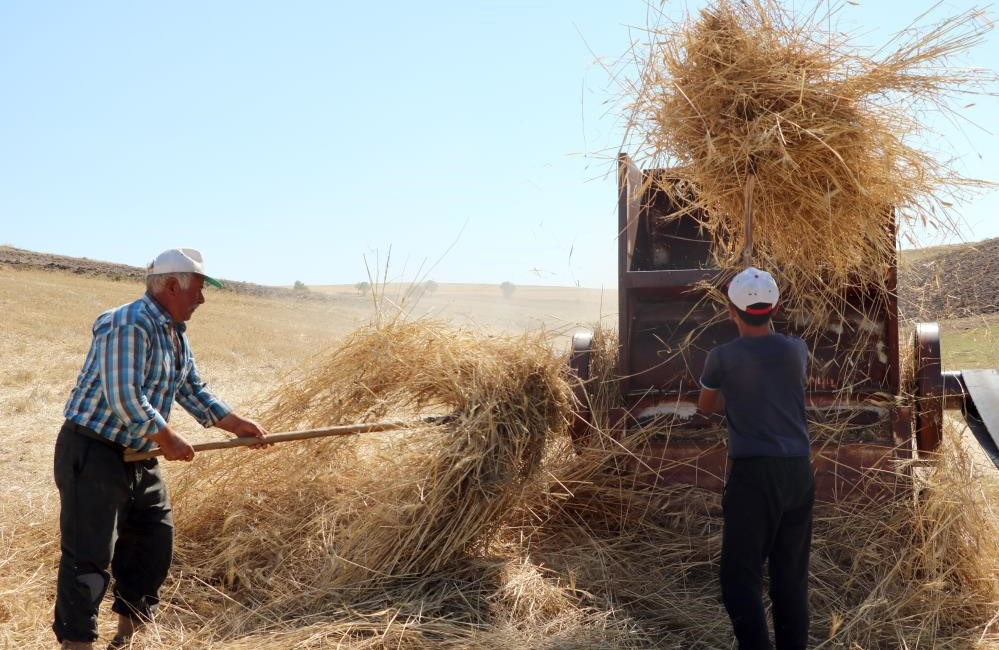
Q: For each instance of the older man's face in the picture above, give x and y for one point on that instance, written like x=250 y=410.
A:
x=181 y=302
x=188 y=299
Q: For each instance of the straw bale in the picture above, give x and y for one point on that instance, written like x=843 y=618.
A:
x=828 y=131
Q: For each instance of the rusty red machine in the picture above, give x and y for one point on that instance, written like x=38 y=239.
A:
x=864 y=415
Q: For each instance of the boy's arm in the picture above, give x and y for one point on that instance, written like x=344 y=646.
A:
x=710 y=401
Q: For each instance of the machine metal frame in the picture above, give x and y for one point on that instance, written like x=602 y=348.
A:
x=667 y=325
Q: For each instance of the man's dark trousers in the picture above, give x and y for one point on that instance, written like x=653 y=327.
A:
x=768 y=516
x=112 y=512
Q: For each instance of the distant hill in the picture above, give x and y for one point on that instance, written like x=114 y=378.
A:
x=954 y=281
x=18 y=257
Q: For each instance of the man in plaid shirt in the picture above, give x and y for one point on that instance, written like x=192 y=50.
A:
x=118 y=513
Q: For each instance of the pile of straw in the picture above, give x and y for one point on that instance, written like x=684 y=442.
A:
x=406 y=521
x=750 y=91
x=896 y=573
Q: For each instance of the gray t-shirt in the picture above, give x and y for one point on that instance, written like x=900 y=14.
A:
x=762 y=379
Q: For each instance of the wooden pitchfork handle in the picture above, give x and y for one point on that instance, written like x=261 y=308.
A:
x=307 y=434
x=747 y=216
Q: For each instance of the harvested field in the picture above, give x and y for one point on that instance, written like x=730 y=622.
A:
x=487 y=531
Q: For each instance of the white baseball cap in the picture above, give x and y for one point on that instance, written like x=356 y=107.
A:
x=751 y=287
x=180 y=260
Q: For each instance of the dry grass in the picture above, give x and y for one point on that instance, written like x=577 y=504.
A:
x=749 y=98
x=243 y=343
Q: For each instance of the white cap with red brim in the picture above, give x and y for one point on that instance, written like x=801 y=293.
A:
x=753 y=287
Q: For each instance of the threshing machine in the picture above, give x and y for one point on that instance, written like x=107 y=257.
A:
x=864 y=415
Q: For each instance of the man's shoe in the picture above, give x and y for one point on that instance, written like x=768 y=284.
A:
x=127 y=628
x=120 y=642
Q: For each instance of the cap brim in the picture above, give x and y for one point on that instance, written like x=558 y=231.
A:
x=213 y=282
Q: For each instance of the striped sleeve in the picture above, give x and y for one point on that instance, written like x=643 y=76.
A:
x=120 y=354
x=201 y=403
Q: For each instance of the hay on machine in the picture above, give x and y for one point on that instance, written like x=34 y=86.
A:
x=749 y=104
x=769 y=140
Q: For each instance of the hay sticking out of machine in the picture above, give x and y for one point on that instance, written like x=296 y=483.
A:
x=770 y=141
x=750 y=104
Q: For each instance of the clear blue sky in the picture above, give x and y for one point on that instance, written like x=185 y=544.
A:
x=289 y=139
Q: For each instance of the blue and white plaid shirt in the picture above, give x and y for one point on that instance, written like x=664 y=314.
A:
x=132 y=375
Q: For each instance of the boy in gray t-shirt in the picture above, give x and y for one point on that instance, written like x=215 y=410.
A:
x=758 y=380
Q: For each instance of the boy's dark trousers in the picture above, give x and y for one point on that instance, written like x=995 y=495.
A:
x=112 y=512
x=768 y=516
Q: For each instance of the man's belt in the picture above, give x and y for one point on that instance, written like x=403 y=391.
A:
x=90 y=433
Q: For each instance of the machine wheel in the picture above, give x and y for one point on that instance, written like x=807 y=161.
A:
x=929 y=387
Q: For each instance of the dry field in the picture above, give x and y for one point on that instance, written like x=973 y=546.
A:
x=559 y=310
x=545 y=598
x=245 y=345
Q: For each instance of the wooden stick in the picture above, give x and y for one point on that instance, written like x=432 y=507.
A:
x=747 y=215
x=344 y=430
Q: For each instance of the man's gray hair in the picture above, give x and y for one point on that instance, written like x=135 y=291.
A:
x=156 y=283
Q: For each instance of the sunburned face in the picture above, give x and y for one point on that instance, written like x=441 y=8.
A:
x=181 y=302
x=190 y=298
